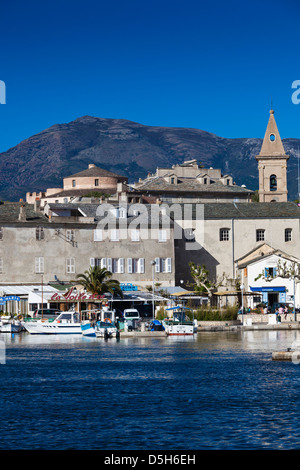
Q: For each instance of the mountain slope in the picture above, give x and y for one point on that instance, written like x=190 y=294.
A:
x=129 y=149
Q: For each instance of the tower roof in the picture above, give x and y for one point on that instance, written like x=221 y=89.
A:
x=272 y=144
x=94 y=170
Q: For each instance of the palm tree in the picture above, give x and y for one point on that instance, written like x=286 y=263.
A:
x=98 y=280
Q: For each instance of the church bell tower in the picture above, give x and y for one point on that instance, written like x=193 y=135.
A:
x=272 y=166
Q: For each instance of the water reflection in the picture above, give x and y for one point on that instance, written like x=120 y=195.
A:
x=217 y=390
x=248 y=340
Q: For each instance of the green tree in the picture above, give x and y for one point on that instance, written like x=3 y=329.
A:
x=203 y=283
x=255 y=196
x=98 y=280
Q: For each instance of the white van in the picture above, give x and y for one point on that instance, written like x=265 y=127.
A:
x=131 y=314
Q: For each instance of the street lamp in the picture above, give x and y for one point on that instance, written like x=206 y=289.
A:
x=153 y=263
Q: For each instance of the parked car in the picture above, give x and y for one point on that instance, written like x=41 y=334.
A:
x=131 y=314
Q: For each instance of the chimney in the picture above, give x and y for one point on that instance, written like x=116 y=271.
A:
x=22 y=213
x=37 y=205
x=91 y=165
x=119 y=187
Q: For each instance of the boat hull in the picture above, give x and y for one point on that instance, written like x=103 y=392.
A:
x=52 y=328
x=174 y=329
x=88 y=330
x=11 y=327
x=106 y=332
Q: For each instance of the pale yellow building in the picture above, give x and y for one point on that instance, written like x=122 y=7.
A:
x=90 y=181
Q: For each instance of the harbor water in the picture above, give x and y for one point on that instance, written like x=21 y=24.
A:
x=217 y=390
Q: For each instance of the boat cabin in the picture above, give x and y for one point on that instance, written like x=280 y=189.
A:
x=68 y=317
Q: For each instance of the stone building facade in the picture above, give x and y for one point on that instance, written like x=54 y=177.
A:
x=190 y=183
x=272 y=166
x=217 y=236
x=63 y=241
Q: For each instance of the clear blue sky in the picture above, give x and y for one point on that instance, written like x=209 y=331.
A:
x=210 y=65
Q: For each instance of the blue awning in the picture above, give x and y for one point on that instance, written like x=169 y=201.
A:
x=268 y=289
x=178 y=307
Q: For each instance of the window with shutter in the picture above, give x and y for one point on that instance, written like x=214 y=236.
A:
x=114 y=265
x=39 y=264
x=129 y=265
x=39 y=233
x=135 y=265
x=114 y=235
x=157 y=265
x=98 y=235
x=162 y=236
x=141 y=265
x=70 y=265
x=70 y=235
x=169 y=265
x=135 y=235
x=121 y=265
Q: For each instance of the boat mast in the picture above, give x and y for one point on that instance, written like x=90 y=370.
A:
x=42 y=298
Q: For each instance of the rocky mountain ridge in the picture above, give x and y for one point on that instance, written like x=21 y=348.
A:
x=130 y=149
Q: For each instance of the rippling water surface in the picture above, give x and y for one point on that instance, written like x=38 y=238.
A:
x=219 y=390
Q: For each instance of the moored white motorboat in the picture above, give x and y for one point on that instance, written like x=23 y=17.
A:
x=65 y=323
x=179 y=325
x=106 y=329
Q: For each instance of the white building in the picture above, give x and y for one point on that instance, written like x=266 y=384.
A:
x=259 y=275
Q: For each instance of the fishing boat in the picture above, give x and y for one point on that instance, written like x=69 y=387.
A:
x=179 y=325
x=65 y=323
x=88 y=328
x=88 y=325
x=10 y=325
x=105 y=327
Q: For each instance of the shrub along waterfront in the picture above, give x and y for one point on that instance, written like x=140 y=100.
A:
x=210 y=314
x=207 y=313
